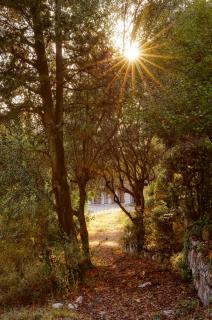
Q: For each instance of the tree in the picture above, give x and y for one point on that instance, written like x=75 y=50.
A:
x=32 y=80
x=181 y=116
x=132 y=157
x=90 y=106
x=49 y=51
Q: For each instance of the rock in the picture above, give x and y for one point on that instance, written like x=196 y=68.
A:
x=102 y=314
x=168 y=313
x=57 y=305
x=145 y=284
x=72 y=306
x=79 y=300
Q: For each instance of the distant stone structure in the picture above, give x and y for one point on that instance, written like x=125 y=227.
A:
x=105 y=198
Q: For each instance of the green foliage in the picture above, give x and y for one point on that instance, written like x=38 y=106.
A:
x=32 y=250
x=129 y=239
x=191 y=160
x=180 y=264
x=160 y=215
x=33 y=261
x=197 y=227
x=182 y=115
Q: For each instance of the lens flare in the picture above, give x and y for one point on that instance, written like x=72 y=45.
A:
x=132 y=52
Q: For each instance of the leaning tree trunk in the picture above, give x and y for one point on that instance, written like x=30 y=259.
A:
x=86 y=264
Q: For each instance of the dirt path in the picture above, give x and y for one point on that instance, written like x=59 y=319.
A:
x=112 y=291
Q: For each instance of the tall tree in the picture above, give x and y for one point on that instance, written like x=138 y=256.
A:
x=90 y=104
x=32 y=79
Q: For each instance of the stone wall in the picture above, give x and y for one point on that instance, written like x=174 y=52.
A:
x=201 y=272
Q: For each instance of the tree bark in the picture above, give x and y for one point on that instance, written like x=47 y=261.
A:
x=52 y=119
x=139 y=232
x=86 y=264
x=138 y=220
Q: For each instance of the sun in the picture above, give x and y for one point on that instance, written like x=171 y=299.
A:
x=132 y=52
x=134 y=59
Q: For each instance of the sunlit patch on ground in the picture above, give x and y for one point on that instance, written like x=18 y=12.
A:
x=105 y=233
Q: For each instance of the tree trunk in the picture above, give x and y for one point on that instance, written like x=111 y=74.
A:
x=86 y=264
x=139 y=232
x=138 y=220
x=52 y=119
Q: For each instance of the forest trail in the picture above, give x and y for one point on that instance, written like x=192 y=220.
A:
x=112 y=291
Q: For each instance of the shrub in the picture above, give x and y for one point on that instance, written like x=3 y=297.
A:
x=179 y=263
x=32 y=259
x=129 y=240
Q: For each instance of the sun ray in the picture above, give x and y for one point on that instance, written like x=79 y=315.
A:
x=157 y=55
x=151 y=75
x=116 y=76
x=126 y=74
x=139 y=58
x=124 y=81
x=139 y=70
x=133 y=77
x=150 y=48
x=142 y=77
x=115 y=65
x=95 y=63
x=153 y=64
x=157 y=35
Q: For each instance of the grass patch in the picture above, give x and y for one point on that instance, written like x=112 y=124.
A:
x=108 y=220
x=42 y=314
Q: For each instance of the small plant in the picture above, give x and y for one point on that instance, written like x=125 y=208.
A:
x=186 y=306
x=156 y=317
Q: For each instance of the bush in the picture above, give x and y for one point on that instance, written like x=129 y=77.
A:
x=32 y=258
x=179 y=263
x=129 y=240
x=160 y=225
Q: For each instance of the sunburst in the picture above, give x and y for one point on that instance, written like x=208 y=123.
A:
x=132 y=52
x=134 y=60
x=138 y=60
